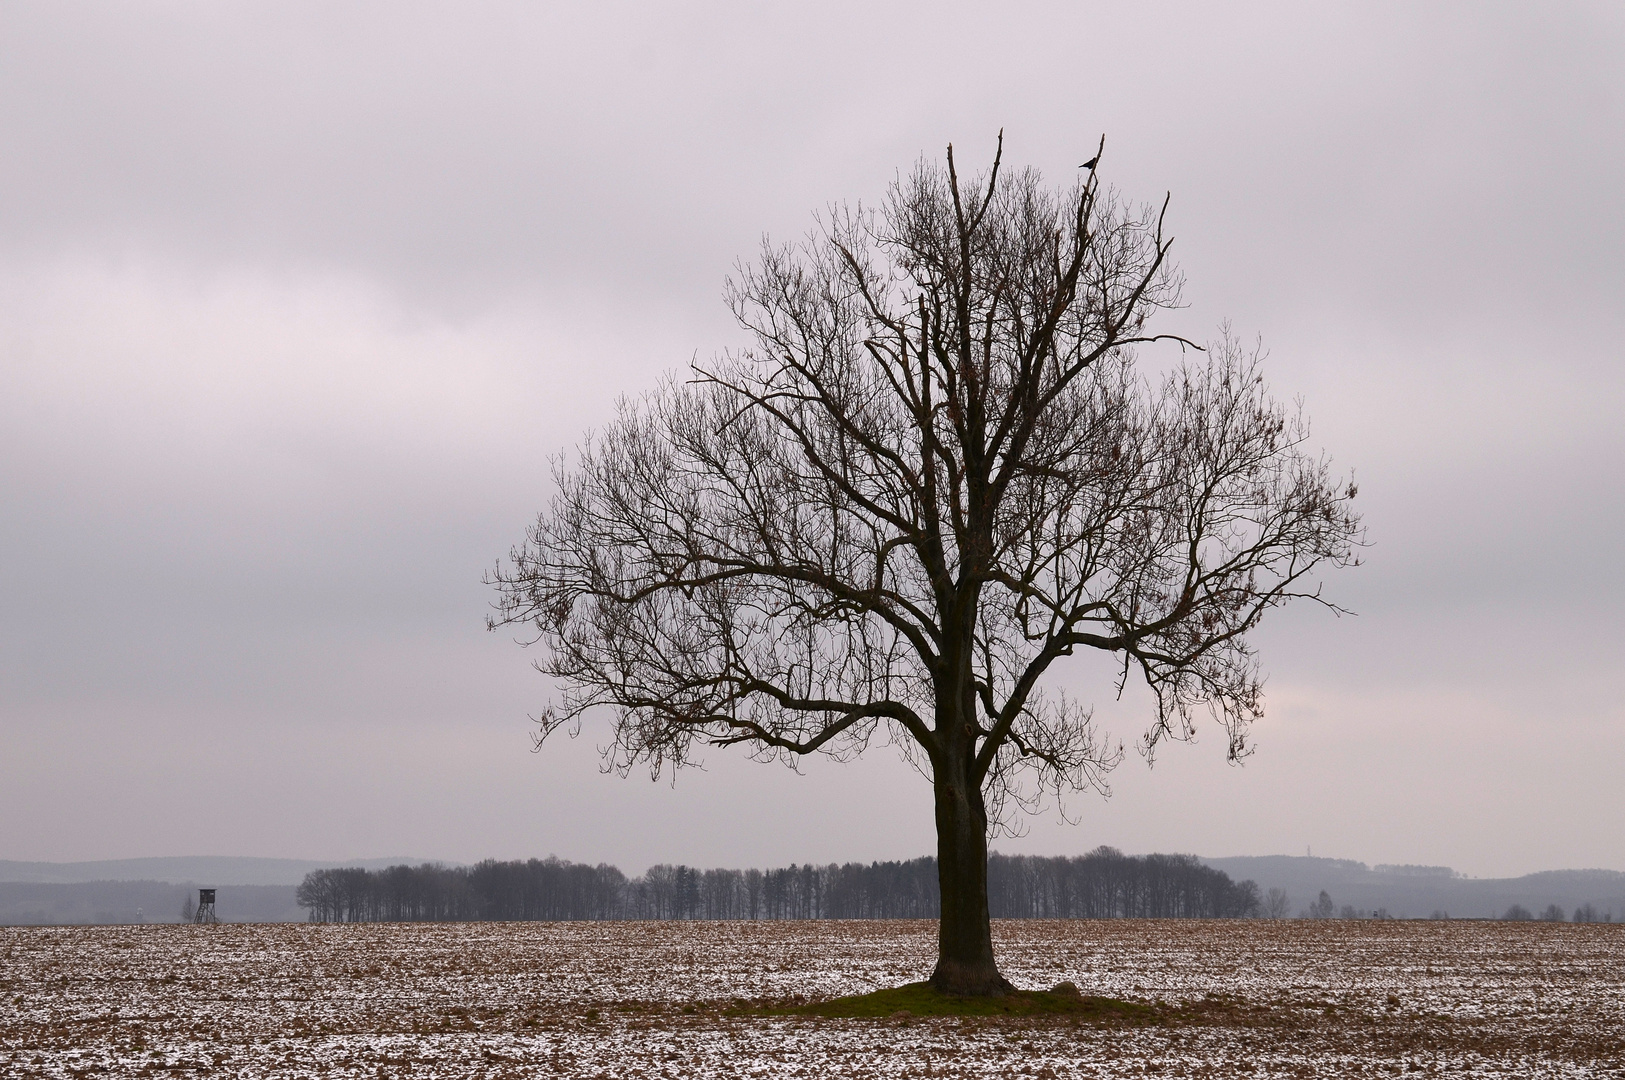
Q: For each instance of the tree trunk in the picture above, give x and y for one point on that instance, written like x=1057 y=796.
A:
x=964 y=934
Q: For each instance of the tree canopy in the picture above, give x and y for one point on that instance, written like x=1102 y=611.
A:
x=936 y=472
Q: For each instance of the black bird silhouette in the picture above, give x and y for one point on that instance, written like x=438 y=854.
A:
x=1090 y=164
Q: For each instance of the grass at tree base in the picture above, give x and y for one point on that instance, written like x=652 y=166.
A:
x=921 y=999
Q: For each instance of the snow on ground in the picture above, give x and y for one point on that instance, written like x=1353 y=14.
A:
x=1333 y=998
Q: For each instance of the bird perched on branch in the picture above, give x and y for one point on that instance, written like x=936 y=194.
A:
x=1090 y=164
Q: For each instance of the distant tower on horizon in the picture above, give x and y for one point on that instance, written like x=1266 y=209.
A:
x=205 y=907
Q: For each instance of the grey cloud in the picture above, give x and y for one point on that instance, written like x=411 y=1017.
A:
x=297 y=300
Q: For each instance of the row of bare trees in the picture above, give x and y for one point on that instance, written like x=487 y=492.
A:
x=1102 y=884
x=553 y=889
x=1106 y=884
x=1585 y=913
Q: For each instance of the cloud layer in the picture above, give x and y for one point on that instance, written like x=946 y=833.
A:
x=296 y=302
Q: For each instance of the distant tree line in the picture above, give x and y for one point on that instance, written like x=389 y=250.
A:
x=1103 y=884
x=1106 y=884
x=1323 y=908
x=1585 y=913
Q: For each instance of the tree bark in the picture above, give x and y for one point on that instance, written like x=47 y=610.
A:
x=964 y=932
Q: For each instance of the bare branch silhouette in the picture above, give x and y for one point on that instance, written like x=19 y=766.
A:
x=934 y=474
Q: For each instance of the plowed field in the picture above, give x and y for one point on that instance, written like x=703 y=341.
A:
x=1247 y=999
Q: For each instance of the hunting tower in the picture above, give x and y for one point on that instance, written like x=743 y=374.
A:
x=205 y=907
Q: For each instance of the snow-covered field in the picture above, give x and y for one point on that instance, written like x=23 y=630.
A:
x=1305 y=998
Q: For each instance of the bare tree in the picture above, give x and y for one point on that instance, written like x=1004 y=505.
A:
x=1276 y=904
x=935 y=474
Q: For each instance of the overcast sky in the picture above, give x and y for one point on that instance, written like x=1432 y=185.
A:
x=297 y=300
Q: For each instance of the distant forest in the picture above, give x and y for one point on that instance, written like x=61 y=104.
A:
x=1101 y=885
